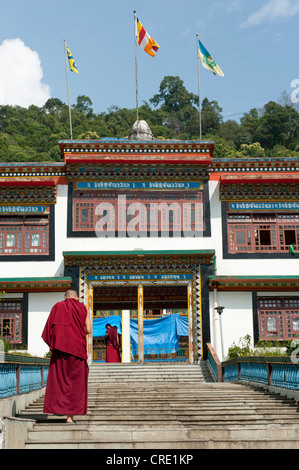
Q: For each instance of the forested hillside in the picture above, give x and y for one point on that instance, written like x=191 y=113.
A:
x=32 y=134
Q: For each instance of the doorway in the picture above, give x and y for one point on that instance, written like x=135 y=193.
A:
x=165 y=323
x=164 y=336
x=108 y=304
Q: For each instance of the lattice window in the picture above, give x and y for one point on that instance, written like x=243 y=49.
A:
x=156 y=210
x=24 y=235
x=257 y=233
x=11 y=311
x=278 y=318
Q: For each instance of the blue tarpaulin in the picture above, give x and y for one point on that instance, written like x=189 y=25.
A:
x=99 y=324
x=159 y=336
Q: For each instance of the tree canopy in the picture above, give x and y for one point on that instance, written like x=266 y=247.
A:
x=32 y=134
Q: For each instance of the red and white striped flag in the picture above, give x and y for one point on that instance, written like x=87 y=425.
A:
x=144 y=40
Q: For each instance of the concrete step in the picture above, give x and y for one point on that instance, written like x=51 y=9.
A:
x=140 y=412
x=103 y=400
x=194 y=406
x=180 y=409
x=250 y=444
x=157 y=438
x=70 y=433
x=148 y=372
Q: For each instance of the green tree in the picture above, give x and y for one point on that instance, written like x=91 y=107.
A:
x=84 y=104
x=32 y=134
x=252 y=150
x=273 y=125
x=173 y=95
x=229 y=130
x=178 y=106
x=210 y=116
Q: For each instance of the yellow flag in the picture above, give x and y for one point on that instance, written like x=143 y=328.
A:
x=71 y=59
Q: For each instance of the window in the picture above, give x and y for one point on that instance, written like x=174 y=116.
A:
x=161 y=211
x=262 y=233
x=24 y=235
x=240 y=237
x=11 y=319
x=272 y=324
x=278 y=318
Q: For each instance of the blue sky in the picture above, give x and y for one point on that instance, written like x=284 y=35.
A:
x=255 y=43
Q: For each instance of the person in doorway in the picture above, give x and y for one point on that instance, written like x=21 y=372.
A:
x=65 y=333
x=117 y=341
x=112 y=349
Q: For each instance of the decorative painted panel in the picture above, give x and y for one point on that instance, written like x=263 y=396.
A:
x=21 y=195
x=146 y=173
x=259 y=192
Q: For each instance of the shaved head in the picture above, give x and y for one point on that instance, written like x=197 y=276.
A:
x=71 y=294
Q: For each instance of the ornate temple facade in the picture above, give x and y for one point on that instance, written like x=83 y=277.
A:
x=156 y=236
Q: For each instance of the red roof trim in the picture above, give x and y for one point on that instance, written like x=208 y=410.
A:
x=27 y=182
x=259 y=179
x=140 y=158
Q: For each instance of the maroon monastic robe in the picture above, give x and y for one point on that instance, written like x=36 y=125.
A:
x=64 y=332
x=112 y=348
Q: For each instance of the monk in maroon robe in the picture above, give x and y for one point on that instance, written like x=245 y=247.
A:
x=65 y=333
x=112 y=346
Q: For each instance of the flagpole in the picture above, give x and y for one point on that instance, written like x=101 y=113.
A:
x=68 y=90
x=135 y=33
x=198 y=72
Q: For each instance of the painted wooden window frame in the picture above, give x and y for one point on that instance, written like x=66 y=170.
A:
x=255 y=226
x=49 y=254
x=73 y=231
x=278 y=318
x=11 y=313
x=23 y=228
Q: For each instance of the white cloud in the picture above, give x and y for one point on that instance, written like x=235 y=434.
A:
x=273 y=10
x=235 y=5
x=21 y=75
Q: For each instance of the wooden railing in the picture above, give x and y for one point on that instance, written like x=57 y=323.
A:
x=214 y=363
x=278 y=371
x=21 y=374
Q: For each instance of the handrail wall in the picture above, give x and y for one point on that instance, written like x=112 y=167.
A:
x=22 y=374
x=278 y=371
x=214 y=363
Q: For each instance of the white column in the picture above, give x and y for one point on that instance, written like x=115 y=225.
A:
x=125 y=338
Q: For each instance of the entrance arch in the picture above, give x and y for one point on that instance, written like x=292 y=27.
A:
x=141 y=268
x=159 y=333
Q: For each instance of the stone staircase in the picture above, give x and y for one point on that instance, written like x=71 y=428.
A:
x=174 y=406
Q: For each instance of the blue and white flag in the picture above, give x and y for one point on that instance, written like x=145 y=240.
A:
x=207 y=60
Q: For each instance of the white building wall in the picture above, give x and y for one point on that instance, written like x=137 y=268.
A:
x=39 y=306
x=236 y=320
x=224 y=266
x=237 y=316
